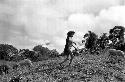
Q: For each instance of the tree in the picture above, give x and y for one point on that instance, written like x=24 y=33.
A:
x=7 y=51
x=28 y=54
x=116 y=35
x=43 y=52
x=91 y=39
x=8 y=48
x=103 y=41
x=54 y=53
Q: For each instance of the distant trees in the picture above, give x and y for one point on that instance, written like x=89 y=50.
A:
x=7 y=51
x=91 y=39
x=103 y=41
x=44 y=52
x=116 y=35
x=3 y=55
x=28 y=54
x=54 y=53
x=10 y=53
x=6 y=47
x=93 y=44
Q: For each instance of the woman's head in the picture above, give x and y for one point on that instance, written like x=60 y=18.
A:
x=70 y=33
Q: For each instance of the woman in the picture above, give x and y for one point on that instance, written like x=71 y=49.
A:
x=70 y=45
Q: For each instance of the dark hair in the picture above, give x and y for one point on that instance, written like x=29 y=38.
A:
x=70 y=33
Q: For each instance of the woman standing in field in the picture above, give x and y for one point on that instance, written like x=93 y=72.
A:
x=70 y=45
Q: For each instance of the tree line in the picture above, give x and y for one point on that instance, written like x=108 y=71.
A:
x=112 y=40
x=38 y=53
x=93 y=44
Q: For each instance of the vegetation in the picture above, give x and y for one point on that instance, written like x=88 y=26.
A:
x=102 y=60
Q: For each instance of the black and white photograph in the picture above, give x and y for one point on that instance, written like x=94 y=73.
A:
x=62 y=40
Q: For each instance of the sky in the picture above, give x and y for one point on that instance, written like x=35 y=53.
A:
x=27 y=23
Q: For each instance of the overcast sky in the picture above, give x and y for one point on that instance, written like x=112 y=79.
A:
x=26 y=23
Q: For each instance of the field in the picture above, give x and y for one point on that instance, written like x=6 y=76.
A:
x=84 y=68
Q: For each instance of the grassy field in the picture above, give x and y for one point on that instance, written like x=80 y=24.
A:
x=84 y=68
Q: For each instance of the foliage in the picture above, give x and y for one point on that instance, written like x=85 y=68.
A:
x=6 y=51
x=103 y=41
x=91 y=41
x=116 y=56
x=53 y=53
x=4 y=69
x=26 y=53
x=25 y=62
x=41 y=49
x=116 y=35
x=96 y=44
x=44 y=64
x=6 y=47
x=44 y=52
x=3 y=55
